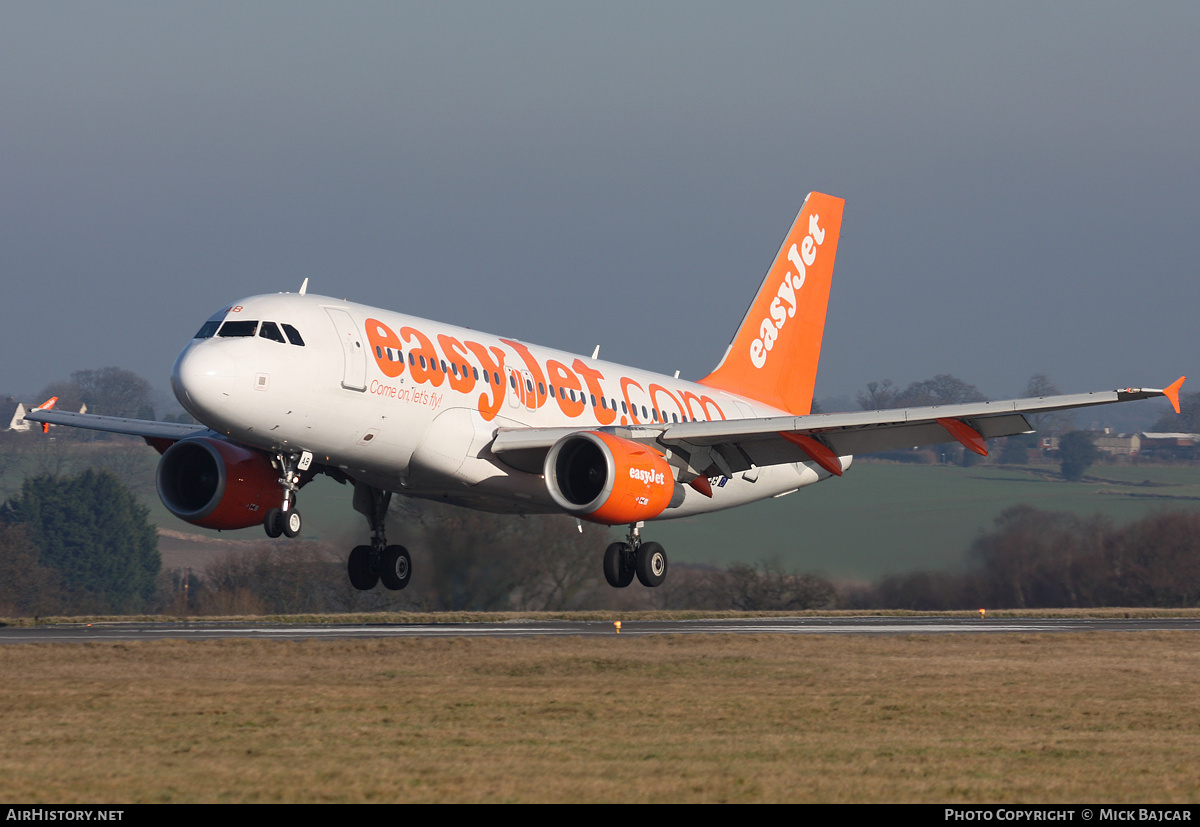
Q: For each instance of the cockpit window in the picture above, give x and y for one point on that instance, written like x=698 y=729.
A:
x=209 y=330
x=293 y=335
x=238 y=328
x=270 y=330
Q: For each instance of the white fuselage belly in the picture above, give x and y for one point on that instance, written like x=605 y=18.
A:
x=423 y=431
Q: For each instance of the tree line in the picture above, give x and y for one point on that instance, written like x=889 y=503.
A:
x=1036 y=559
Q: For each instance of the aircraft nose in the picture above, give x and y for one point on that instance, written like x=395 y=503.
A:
x=203 y=380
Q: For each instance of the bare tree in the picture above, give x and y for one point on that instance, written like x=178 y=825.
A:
x=878 y=396
x=114 y=391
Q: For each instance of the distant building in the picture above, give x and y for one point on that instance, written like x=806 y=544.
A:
x=1120 y=445
x=10 y=414
x=1171 y=445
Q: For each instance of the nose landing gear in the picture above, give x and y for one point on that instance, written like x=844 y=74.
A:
x=286 y=519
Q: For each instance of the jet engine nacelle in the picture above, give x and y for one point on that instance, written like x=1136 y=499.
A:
x=606 y=479
x=217 y=484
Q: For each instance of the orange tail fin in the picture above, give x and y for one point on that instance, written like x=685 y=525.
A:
x=773 y=357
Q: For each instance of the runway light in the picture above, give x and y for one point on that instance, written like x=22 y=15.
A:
x=981 y=611
x=617 y=623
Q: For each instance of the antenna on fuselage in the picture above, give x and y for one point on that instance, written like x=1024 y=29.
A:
x=304 y=287
x=596 y=352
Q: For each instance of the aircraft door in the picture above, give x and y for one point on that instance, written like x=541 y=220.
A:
x=528 y=390
x=354 y=372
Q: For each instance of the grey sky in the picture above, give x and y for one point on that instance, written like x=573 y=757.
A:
x=1020 y=179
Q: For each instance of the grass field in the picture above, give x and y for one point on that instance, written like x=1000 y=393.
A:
x=1012 y=718
x=881 y=518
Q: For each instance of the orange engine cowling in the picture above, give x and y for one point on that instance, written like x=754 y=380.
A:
x=607 y=479
x=217 y=484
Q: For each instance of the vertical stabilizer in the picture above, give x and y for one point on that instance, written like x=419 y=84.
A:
x=773 y=357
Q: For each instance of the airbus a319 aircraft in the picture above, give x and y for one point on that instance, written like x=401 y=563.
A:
x=289 y=386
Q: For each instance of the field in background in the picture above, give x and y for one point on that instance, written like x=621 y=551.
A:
x=877 y=519
x=881 y=518
x=1105 y=718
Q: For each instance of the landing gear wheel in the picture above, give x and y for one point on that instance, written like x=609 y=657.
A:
x=395 y=568
x=291 y=523
x=273 y=522
x=362 y=576
x=651 y=564
x=618 y=568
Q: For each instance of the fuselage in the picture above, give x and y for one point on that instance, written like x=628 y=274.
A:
x=411 y=405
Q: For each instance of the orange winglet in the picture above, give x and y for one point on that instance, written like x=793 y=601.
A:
x=816 y=451
x=964 y=433
x=702 y=485
x=1171 y=391
x=45 y=406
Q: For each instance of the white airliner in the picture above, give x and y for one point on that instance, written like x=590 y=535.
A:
x=289 y=386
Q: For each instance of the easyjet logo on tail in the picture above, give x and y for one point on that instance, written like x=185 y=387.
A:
x=783 y=306
x=774 y=354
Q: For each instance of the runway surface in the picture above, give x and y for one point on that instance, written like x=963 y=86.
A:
x=865 y=625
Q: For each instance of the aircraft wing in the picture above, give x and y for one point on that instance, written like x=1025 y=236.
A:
x=148 y=429
x=732 y=445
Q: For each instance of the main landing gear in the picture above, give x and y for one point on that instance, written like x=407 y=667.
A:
x=623 y=560
x=377 y=562
x=286 y=519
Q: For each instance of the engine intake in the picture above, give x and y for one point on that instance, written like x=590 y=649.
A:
x=607 y=479
x=217 y=484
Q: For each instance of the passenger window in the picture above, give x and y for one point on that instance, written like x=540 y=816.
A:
x=293 y=335
x=230 y=329
x=208 y=330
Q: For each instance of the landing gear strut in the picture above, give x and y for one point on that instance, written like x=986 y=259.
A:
x=623 y=560
x=377 y=562
x=286 y=519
